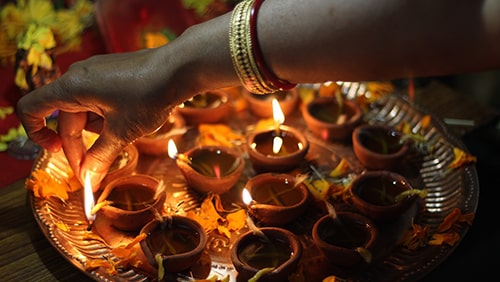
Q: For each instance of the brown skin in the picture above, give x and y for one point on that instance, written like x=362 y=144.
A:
x=125 y=96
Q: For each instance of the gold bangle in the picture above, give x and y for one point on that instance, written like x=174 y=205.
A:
x=240 y=45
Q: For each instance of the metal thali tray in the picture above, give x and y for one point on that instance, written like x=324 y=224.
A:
x=446 y=190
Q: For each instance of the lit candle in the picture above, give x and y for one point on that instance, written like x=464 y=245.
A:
x=247 y=199
x=173 y=153
x=88 y=201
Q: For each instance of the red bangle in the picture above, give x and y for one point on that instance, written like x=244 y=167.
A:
x=267 y=74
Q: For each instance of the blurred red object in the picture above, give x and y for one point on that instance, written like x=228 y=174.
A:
x=123 y=23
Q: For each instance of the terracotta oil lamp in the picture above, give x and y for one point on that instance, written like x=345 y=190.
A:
x=207 y=107
x=278 y=251
x=346 y=240
x=157 y=142
x=275 y=199
x=382 y=195
x=125 y=164
x=379 y=146
x=214 y=169
x=264 y=156
x=332 y=119
x=279 y=148
x=261 y=105
x=133 y=201
x=177 y=241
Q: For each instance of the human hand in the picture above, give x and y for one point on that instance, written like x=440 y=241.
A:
x=120 y=96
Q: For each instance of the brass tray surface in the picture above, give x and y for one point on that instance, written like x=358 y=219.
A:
x=458 y=189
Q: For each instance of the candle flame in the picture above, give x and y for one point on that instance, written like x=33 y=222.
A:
x=277 y=144
x=88 y=198
x=172 y=149
x=247 y=198
x=278 y=116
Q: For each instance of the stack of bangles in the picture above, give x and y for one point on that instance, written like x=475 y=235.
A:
x=246 y=55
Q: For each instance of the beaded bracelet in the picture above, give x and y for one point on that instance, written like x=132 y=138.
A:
x=245 y=51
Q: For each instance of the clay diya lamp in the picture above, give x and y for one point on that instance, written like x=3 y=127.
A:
x=261 y=105
x=276 y=254
x=157 y=142
x=125 y=164
x=347 y=240
x=382 y=195
x=207 y=107
x=209 y=169
x=331 y=119
x=176 y=241
x=132 y=201
x=275 y=150
x=276 y=199
x=379 y=146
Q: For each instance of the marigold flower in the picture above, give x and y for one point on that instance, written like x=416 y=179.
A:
x=461 y=158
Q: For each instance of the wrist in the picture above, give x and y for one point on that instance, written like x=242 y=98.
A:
x=200 y=59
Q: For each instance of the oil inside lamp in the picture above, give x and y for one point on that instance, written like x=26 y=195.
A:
x=280 y=148
x=88 y=201
x=209 y=168
x=346 y=241
x=276 y=198
x=272 y=258
x=176 y=242
x=129 y=202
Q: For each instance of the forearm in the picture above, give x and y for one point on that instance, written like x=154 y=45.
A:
x=316 y=40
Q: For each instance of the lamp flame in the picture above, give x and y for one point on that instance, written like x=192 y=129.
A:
x=247 y=198
x=88 y=198
x=278 y=116
x=172 y=149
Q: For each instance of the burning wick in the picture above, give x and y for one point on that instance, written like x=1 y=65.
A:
x=279 y=119
x=88 y=201
x=247 y=199
x=173 y=153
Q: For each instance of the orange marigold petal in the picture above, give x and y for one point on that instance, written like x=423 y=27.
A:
x=467 y=218
x=449 y=220
x=236 y=220
x=224 y=231
x=415 y=237
x=444 y=238
x=340 y=169
x=461 y=158
x=44 y=185
x=207 y=215
x=425 y=121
